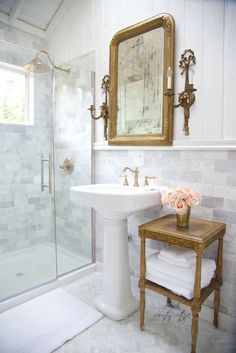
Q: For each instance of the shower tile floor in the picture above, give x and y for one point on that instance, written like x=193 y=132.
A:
x=166 y=331
x=24 y=269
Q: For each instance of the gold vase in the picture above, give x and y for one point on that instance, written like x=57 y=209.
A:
x=183 y=219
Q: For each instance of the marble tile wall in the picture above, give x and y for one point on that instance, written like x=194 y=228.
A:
x=26 y=214
x=213 y=173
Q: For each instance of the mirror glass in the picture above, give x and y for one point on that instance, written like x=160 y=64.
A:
x=140 y=70
x=140 y=56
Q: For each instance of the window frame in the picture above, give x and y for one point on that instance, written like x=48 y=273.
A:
x=29 y=93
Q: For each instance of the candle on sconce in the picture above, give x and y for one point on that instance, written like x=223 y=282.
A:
x=190 y=76
x=169 y=77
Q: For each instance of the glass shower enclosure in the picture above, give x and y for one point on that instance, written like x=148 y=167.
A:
x=43 y=235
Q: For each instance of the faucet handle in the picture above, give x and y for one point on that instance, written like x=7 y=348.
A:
x=147 y=178
x=125 y=179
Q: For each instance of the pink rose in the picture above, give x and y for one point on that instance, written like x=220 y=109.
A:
x=181 y=206
x=168 y=198
x=193 y=198
x=180 y=193
x=180 y=198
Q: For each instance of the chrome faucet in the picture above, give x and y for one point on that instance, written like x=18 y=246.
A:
x=135 y=171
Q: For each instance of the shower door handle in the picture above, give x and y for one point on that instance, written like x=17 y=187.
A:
x=50 y=173
x=49 y=185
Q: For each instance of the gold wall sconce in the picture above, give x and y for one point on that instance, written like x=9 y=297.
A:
x=104 y=110
x=187 y=97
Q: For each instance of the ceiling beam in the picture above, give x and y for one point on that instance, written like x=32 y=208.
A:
x=23 y=26
x=15 y=11
x=29 y=28
x=57 y=17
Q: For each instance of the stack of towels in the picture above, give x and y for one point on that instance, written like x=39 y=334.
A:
x=174 y=268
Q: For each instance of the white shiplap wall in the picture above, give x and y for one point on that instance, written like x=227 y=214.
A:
x=206 y=26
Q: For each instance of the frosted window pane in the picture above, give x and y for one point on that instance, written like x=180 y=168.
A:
x=12 y=97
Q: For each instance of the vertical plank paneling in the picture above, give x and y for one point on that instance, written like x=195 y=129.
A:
x=206 y=26
x=74 y=35
x=159 y=6
x=109 y=29
x=99 y=61
x=177 y=10
x=213 y=69
x=229 y=120
x=132 y=11
x=194 y=41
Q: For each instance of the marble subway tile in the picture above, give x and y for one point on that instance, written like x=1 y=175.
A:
x=214 y=177
x=225 y=216
x=229 y=204
x=181 y=176
x=212 y=201
x=231 y=155
x=231 y=179
x=228 y=166
x=7 y=204
x=224 y=191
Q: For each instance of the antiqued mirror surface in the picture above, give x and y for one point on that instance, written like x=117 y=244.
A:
x=140 y=56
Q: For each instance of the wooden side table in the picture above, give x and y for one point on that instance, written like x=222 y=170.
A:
x=198 y=236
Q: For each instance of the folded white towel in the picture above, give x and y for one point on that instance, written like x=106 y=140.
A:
x=177 y=253
x=153 y=263
x=185 y=292
x=178 y=282
x=185 y=263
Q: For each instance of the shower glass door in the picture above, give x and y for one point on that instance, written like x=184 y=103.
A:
x=27 y=224
x=73 y=96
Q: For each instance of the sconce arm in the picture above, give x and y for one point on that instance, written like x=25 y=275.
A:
x=176 y=105
x=186 y=97
x=92 y=111
x=104 y=109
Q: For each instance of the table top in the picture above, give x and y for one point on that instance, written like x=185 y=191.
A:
x=200 y=231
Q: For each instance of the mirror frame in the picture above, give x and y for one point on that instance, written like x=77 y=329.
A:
x=165 y=138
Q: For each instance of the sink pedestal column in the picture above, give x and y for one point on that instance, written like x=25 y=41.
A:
x=117 y=301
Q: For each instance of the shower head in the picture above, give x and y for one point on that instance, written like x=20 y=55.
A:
x=39 y=66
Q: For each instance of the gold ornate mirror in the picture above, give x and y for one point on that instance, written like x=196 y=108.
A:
x=140 y=57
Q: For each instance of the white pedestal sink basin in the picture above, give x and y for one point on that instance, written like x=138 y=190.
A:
x=116 y=202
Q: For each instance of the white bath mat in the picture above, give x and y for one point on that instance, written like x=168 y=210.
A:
x=44 y=323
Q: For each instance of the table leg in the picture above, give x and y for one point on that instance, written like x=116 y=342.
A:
x=219 y=281
x=196 y=305
x=142 y=283
x=169 y=302
x=195 y=318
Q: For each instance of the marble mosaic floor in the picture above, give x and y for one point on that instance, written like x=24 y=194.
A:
x=166 y=331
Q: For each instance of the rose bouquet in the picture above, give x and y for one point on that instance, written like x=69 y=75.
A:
x=181 y=198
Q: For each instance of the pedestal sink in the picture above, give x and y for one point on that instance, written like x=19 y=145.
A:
x=116 y=202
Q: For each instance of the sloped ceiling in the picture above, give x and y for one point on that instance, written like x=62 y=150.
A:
x=39 y=17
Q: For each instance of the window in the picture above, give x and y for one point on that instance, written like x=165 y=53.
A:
x=14 y=95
